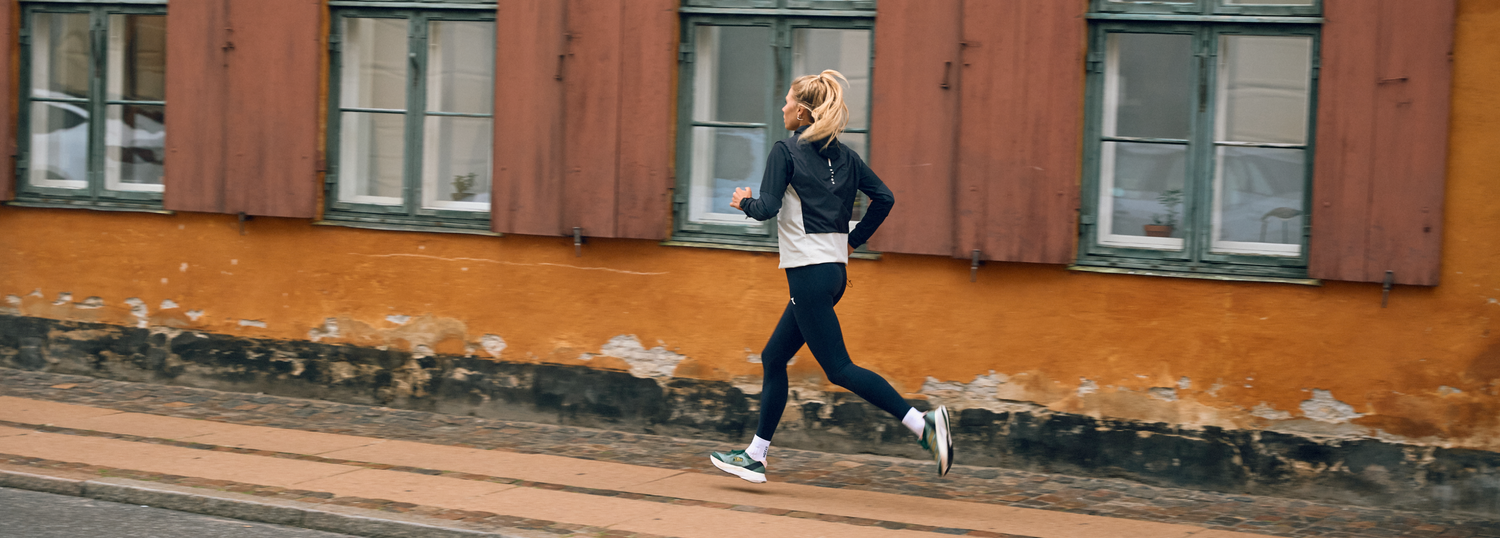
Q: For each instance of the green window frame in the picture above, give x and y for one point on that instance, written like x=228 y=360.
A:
x=1187 y=8
x=421 y=157
x=119 y=74
x=783 y=22
x=1228 y=178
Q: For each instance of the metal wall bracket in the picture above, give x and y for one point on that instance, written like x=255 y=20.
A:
x=243 y=217
x=974 y=264
x=1385 y=289
x=577 y=242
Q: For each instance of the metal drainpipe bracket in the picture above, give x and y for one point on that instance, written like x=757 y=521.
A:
x=1385 y=289
x=974 y=264
x=577 y=242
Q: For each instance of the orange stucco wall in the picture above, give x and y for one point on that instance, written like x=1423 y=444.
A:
x=1243 y=355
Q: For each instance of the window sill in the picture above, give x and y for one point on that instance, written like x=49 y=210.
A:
x=88 y=205
x=755 y=248
x=1197 y=276
x=404 y=227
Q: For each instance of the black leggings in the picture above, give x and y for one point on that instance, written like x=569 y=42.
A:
x=809 y=319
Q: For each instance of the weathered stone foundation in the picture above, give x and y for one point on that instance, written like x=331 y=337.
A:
x=1367 y=472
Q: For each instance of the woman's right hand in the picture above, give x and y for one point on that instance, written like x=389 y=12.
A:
x=739 y=194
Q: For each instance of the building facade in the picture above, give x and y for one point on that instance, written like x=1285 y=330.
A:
x=1227 y=244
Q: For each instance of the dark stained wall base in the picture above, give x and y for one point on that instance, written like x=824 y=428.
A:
x=1365 y=472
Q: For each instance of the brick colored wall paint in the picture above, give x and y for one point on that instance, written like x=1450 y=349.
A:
x=907 y=317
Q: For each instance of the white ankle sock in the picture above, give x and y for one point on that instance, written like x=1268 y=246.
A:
x=758 y=448
x=914 y=421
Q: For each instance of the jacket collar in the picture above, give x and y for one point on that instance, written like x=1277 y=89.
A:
x=831 y=152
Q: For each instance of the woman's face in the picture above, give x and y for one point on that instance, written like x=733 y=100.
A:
x=790 y=111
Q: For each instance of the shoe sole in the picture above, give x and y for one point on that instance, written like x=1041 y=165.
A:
x=745 y=474
x=944 y=440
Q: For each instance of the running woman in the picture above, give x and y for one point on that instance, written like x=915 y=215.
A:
x=809 y=188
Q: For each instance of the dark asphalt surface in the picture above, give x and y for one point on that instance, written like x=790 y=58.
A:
x=28 y=514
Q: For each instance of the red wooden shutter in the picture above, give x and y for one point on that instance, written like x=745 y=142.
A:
x=591 y=118
x=272 y=118
x=648 y=65
x=9 y=11
x=196 y=84
x=1382 y=140
x=1021 y=129
x=243 y=79
x=528 y=188
x=915 y=121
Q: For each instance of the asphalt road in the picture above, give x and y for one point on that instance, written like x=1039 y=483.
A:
x=28 y=514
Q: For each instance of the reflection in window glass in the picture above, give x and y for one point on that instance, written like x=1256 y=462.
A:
x=1148 y=85
x=1264 y=88
x=374 y=60
x=730 y=85
x=460 y=79
x=1141 y=195
x=61 y=57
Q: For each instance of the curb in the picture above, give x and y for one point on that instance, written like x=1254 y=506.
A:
x=339 y=519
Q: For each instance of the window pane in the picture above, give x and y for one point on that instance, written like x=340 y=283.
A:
x=371 y=156
x=846 y=51
x=1264 y=85
x=374 y=64
x=59 y=145
x=723 y=160
x=137 y=57
x=456 y=163
x=1258 y=195
x=61 y=57
x=1148 y=85
x=859 y=142
x=1141 y=195
x=461 y=66
x=134 y=148
x=733 y=76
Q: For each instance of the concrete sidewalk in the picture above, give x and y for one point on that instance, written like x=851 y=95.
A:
x=383 y=472
x=589 y=496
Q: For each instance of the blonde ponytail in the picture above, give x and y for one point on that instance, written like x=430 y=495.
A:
x=823 y=96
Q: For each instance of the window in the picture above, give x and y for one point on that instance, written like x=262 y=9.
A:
x=93 y=105
x=737 y=64
x=1199 y=150
x=410 y=127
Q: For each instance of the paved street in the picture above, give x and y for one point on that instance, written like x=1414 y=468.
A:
x=29 y=514
x=639 y=463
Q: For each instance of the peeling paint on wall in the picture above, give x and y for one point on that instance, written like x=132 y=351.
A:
x=330 y=329
x=1087 y=386
x=398 y=319
x=1167 y=394
x=252 y=323
x=492 y=344
x=1324 y=408
x=168 y=304
x=62 y=299
x=1265 y=411
x=656 y=362
x=91 y=303
x=194 y=314
x=139 y=311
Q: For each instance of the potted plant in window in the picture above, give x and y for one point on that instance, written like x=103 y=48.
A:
x=1162 y=225
x=462 y=183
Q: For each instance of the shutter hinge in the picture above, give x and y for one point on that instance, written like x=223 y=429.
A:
x=974 y=263
x=685 y=53
x=25 y=36
x=1385 y=287
x=335 y=43
x=1096 y=62
x=1086 y=220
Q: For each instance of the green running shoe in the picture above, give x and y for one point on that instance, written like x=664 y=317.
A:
x=937 y=438
x=738 y=463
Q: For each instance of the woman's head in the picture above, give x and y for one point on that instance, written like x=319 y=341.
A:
x=817 y=100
